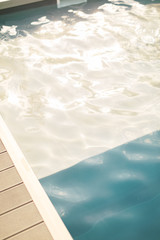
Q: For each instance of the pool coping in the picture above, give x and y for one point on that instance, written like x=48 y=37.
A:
x=46 y=209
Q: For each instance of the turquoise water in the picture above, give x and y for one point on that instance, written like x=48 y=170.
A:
x=78 y=82
x=81 y=80
x=114 y=195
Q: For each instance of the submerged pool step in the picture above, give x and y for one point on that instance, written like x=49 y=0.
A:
x=64 y=3
x=26 y=212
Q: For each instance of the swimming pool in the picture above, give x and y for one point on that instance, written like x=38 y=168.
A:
x=79 y=81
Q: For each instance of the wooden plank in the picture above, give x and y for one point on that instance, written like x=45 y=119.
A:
x=13 y=198
x=2 y=148
x=15 y=3
x=19 y=220
x=5 y=161
x=39 y=232
x=9 y=178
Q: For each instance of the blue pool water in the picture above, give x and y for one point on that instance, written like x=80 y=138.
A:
x=81 y=80
x=77 y=82
x=114 y=195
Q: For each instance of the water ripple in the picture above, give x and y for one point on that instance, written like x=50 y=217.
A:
x=94 y=67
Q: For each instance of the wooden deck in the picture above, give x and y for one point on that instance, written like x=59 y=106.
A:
x=9 y=4
x=26 y=213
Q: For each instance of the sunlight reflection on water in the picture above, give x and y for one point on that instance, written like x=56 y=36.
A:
x=80 y=83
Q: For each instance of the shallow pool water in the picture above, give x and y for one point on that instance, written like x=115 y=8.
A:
x=114 y=195
x=78 y=81
x=83 y=82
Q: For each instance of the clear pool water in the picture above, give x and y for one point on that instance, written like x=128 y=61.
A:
x=83 y=82
x=114 y=195
x=78 y=81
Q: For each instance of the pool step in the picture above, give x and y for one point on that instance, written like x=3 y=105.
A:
x=65 y=3
x=26 y=212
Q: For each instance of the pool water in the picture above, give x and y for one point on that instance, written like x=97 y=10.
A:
x=78 y=81
x=114 y=195
x=80 y=91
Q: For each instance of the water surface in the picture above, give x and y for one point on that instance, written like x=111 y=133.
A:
x=78 y=81
x=114 y=195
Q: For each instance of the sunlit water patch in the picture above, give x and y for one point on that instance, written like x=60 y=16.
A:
x=78 y=81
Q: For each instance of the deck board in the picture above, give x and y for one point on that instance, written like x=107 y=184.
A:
x=15 y=3
x=9 y=178
x=13 y=198
x=18 y=220
x=19 y=216
x=35 y=233
x=2 y=148
x=5 y=161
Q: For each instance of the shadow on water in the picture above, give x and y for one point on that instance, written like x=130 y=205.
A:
x=23 y=19
x=148 y=1
x=114 y=195
x=51 y=11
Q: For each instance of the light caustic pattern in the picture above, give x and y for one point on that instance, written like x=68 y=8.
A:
x=78 y=82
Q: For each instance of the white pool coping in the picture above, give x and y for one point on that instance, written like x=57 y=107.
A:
x=49 y=214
